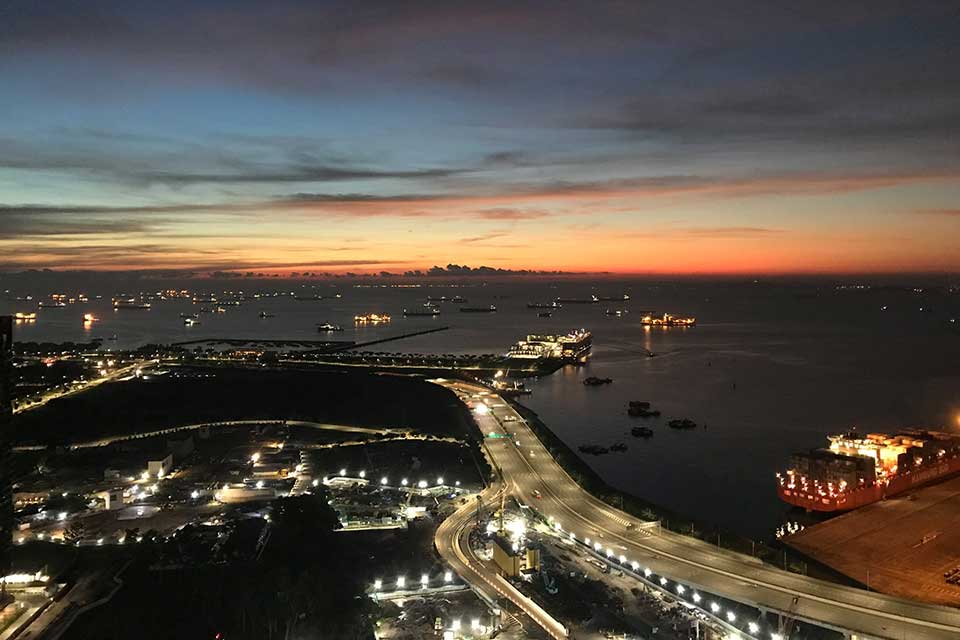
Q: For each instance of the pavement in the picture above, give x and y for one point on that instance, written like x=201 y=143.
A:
x=531 y=475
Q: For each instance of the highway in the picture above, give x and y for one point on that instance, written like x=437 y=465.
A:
x=531 y=475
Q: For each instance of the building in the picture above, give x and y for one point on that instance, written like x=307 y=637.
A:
x=6 y=442
x=160 y=468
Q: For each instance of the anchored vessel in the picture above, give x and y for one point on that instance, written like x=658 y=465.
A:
x=372 y=318
x=426 y=310
x=859 y=469
x=667 y=320
x=130 y=303
x=544 y=305
x=489 y=309
x=326 y=327
x=590 y=300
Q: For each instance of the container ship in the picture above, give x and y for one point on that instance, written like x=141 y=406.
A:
x=667 y=320
x=856 y=469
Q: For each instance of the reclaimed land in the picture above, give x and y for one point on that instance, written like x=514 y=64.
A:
x=188 y=395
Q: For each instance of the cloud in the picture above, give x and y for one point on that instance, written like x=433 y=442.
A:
x=507 y=213
x=484 y=237
x=950 y=213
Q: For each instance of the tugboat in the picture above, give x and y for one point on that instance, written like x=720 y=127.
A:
x=326 y=327
x=594 y=381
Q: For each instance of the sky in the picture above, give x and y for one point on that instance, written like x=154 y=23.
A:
x=633 y=137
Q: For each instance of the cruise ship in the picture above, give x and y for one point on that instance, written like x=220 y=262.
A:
x=571 y=347
x=858 y=469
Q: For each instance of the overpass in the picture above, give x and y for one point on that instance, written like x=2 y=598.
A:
x=531 y=475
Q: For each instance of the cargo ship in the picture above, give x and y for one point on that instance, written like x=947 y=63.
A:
x=544 y=305
x=667 y=320
x=488 y=309
x=572 y=347
x=426 y=310
x=857 y=469
x=130 y=303
x=590 y=300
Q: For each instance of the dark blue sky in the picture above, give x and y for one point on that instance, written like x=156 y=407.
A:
x=728 y=136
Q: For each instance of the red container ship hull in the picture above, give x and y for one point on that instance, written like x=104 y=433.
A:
x=855 y=498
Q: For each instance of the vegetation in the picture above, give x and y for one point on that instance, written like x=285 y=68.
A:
x=191 y=395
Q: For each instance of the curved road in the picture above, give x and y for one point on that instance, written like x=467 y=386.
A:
x=532 y=476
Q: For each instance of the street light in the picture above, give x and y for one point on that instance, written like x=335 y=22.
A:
x=731 y=616
x=383 y=480
x=404 y=482
x=714 y=607
x=447 y=577
x=401 y=582
x=776 y=636
x=680 y=589
x=363 y=474
x=455 y=625
x=440 y=481
x=343 y=472
x=422 y=484
x=377 y=584
x=663 y=581
x=424 y=580
x=696 y=597
x=647 y=573
x=753 y=627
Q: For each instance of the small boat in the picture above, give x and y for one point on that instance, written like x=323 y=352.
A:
x=618 y=447
x=458 y=299
x=594 y=381
x=545 y=314
x=190 y=322
x=620 y=298
x=641 y=432
x=617 y=313
x=682 y=423
x=89 y=318
x=326 y=327
x=490 y=309
x=264 y=314
x=437 y=298
x=189 y=315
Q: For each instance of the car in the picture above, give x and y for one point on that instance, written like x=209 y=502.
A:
x=537 y=494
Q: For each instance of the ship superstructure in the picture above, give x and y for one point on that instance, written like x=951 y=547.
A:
x=858 y=469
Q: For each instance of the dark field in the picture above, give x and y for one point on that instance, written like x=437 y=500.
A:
x=183 y=397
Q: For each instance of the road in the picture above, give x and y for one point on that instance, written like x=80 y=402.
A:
x=531 y=475
x=452 y=543
x=86 y=386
